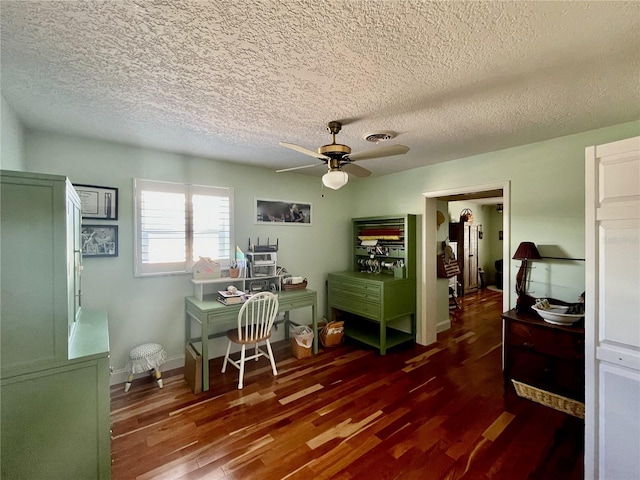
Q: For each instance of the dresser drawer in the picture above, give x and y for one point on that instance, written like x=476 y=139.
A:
x=543 y=355
x=365 y=291
x=543 y=340
x=363 y=307
x=530 y=367
x=559 y=375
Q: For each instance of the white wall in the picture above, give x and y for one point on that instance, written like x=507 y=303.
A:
x=145 y=310
x=12 y=155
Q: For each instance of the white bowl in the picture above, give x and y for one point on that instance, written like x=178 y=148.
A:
x=556 y=315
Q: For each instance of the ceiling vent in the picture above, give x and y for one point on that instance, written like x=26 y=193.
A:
x=379 y=136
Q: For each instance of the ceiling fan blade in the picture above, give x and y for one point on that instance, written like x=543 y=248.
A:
x=297 y=168
x=387 y=151
x=355 y=170
x=306 y=151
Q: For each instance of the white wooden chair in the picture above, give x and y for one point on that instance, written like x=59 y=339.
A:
x=255 y=321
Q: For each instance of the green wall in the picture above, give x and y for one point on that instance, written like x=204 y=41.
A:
x=547 y=207
x=546 y=204
x=12 y=155
x=152 y=309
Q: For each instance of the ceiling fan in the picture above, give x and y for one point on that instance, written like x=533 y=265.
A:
x=339 y=158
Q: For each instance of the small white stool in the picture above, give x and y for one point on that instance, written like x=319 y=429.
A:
x=144 y=358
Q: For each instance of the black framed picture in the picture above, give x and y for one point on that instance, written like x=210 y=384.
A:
x=99 y=240
x=282 y=212
x=98 y=203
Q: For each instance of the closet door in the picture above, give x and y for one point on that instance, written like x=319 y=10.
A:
x=612 y=320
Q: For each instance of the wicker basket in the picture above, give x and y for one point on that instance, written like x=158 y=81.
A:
x=335 y=337
x=296 y=286
x=298 y=350
x=555 y=401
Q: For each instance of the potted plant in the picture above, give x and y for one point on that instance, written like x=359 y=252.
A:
x=234 y=271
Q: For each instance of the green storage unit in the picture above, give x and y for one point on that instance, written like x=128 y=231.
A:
x=54 y=363
x=377 y=299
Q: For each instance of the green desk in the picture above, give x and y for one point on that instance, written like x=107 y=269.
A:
x=214 y=319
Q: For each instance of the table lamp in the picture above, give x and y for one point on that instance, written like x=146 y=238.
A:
x=526 y=251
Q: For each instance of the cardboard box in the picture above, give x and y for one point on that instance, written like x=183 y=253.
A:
x=193 y=369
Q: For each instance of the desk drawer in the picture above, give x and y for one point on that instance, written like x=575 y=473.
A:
x=293 y=304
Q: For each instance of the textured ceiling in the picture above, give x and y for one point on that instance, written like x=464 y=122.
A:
x=228 y=80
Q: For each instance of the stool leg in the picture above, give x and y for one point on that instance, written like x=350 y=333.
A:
x=128 y=384
x=158 y=377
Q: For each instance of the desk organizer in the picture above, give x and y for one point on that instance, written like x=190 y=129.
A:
x=295 y=286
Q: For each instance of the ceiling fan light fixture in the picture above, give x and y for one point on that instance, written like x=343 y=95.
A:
x=335 y=179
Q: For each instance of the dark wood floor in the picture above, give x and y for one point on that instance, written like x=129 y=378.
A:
x=427 y=413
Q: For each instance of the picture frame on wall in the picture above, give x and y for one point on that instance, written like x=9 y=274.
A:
x=99 y=240
x=282 y=212
x=98 y=203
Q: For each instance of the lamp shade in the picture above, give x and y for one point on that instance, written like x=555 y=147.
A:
x=335 y=179
x=527 y=251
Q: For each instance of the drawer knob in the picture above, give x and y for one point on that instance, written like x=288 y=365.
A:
x=529 y=345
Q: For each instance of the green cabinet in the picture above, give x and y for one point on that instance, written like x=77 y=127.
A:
x=54 y=363
x=377 y=300
x=385 y=245
x=40 y=278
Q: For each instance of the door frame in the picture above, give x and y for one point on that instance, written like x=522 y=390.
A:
x=427 y=327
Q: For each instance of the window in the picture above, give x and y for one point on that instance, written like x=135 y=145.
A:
x=177 y=224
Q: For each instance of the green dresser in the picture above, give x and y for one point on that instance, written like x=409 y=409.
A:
x=377 y=300
x=54 y=363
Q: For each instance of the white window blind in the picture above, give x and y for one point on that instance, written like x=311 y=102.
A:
x=176 y=224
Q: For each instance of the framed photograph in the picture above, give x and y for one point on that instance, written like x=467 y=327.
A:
x=99 y=240
x=98 y=203
x=282 y=212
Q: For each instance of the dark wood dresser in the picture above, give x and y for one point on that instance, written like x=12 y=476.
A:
x=543 y=355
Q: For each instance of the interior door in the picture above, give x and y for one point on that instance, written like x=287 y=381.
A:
x=612 y=424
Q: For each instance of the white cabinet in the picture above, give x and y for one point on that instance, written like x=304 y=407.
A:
x=612 y=320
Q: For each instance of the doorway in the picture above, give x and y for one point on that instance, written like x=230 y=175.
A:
x=428 y=326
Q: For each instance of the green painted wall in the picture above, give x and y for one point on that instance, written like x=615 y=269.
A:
x=145 y=310
x=547 y=198
x=547 y=207
x=12 y=156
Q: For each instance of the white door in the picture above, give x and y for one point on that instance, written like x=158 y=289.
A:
x=612 y=320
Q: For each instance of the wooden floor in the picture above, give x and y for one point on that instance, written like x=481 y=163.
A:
x=427 y=413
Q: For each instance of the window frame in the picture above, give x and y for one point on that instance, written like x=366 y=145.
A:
x=184 y=267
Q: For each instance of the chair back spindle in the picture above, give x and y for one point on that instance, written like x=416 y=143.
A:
x=257 y=316
x=255 y=320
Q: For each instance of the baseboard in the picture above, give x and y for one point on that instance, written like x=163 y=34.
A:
x=443 y=325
